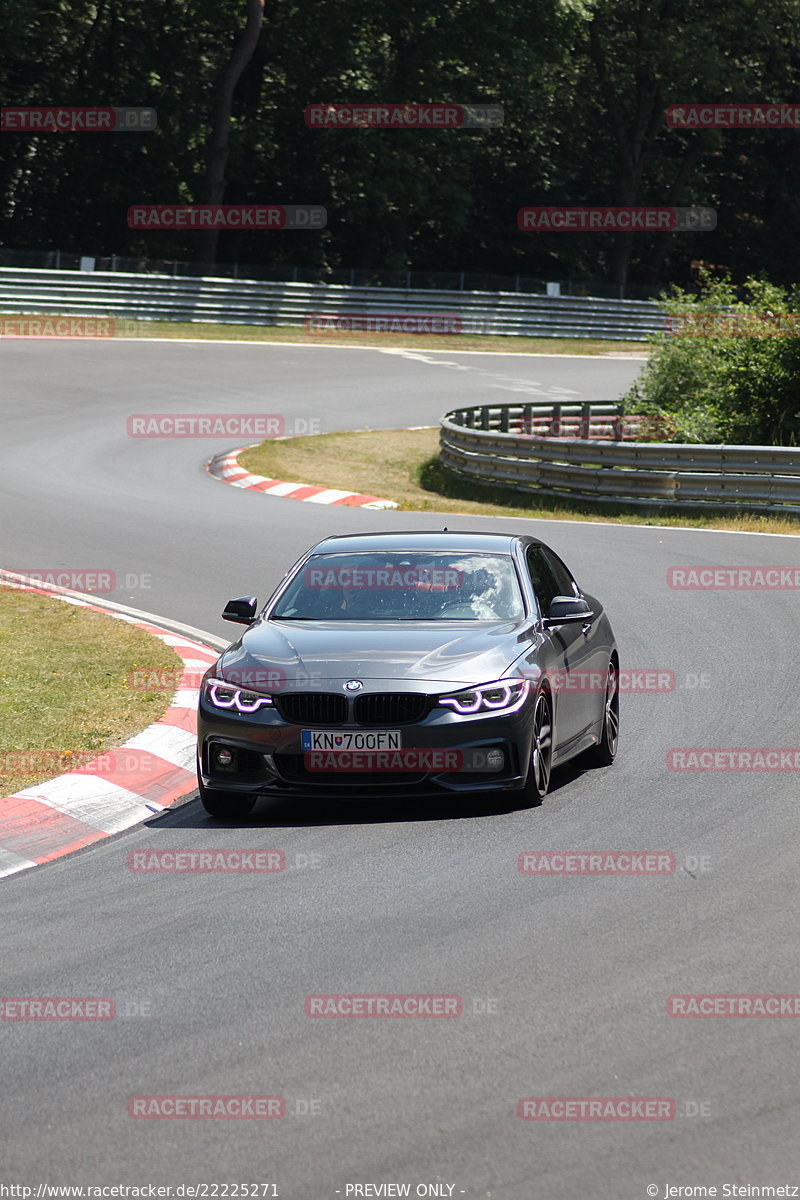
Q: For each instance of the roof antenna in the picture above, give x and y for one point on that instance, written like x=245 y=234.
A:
x=444 y=529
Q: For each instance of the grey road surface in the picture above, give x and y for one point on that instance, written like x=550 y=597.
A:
x=564 y=980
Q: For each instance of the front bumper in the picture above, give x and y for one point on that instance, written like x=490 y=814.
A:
x=268 y=758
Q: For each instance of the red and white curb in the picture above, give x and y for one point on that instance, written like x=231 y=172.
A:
x=119 y=788
x=226 y=468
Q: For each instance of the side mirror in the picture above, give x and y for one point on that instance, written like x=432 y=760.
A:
x=568 y=610
x=242 y=611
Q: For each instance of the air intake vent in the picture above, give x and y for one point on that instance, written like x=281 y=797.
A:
x=312 y=708
x=391 y=708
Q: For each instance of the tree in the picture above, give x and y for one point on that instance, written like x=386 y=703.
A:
x=648 y=54
x=213 y=191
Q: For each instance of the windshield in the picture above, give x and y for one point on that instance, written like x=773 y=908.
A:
x=403 y=586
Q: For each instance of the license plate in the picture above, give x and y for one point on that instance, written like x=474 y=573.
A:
x=337 y=739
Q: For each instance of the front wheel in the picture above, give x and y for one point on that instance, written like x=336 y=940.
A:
x=538 y=779
x=219 y=803
x=604 y=753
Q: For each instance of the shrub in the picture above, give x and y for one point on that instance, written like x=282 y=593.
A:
x=726 y=369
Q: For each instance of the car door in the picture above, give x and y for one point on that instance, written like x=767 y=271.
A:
x=576 y=703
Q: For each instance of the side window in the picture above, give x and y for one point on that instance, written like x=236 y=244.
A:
x=549 y=576
x=566 y=584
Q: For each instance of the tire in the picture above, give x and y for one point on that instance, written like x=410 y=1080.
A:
x=230 y=805
x=604 y=753
x=540 y=766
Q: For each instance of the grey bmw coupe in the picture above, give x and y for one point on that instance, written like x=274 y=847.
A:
x=425 y=664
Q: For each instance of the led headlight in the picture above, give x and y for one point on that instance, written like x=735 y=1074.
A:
x=227 y=695
x=504 y=695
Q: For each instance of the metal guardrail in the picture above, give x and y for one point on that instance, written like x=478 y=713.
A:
x=241 y=302
x=383 y=277
x=488 y=444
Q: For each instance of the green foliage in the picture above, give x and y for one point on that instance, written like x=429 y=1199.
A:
x=726 y=368
x=583 y=84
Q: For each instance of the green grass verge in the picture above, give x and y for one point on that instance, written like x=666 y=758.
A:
x=403 y=465
x=491 y=344
x=65 y=692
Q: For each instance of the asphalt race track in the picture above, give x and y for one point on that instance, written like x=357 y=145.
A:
x=564 y=980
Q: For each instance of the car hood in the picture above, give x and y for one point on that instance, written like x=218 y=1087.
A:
x=313 y=656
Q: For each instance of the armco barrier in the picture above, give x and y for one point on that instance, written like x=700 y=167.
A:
x=490 y=445
x=242 y=302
